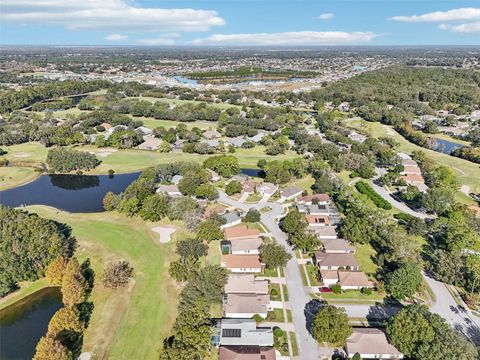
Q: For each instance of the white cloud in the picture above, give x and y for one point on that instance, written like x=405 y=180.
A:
x=326 y=16
x=289 y=38
x=116 y=37
x=442 y=16
x=156 y=41
x=107 y=14
x=472 y=27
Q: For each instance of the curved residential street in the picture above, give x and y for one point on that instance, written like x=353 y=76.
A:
x=300 y=300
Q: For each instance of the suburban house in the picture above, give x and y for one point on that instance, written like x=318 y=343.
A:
x=412 y=174
x=290 y=192
x=335 y=261
x=106 y=126
x=354 y=280
x=248 y=187
x=211 y=134
x=245 y=306
x=176 y=179
x=337 y=246
x=241 y=263
x=142 y=130
x=150 y=143
x=240 y=232
x=319 y=199
x=324 y=232
x=213 y=175
x=231 y=219
x=314 y=209
x=245 y=284
x=329 y=277
x=171 y=190
x=243 y=332
x=371 y=343
x=235 y=142
x=267 y=188
x=317 y=220
x=246 y=353
x=244 y=246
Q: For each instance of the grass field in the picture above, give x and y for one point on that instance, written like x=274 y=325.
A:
x=15 y=176
x=352 y=295
x=181 y=102
x=139 y=314
x=364 y=254
x=152 y=123
x=467 y=171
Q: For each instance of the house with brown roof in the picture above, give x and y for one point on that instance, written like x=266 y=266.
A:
x=241 y=263
x=246 y=353
x=411 y=169
x=335 y=261
x=337 y=246
x=245 y=246
x=324 y=232
x=244 y=306
x=248 y=187
x=354 y=280
x=290 y=192
x=371 y=343
x=319 y=199
x=240 y=232
x=245 y=284
x=317 y=220
x=329 y=277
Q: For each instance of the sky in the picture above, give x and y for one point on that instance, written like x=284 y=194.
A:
x=239 y=22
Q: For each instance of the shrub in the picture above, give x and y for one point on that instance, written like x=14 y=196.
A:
x=257 y=318
x=367 y=190
x=277 y=332
x=366 y=291
x=336 y=288
x=117 y=275
x=274 y=292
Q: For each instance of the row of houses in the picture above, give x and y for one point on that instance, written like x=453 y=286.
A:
x=238 y=335
x=412 y=174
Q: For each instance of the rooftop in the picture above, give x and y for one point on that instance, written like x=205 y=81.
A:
x=247 y=304
x=325 y=259
x=245 y=284
x=370 y=341
x=241 y=261
x=337 y=245
x=244 y=332
x=241 y=231
x=246 y=244
x=246 y=353
x=354 y=278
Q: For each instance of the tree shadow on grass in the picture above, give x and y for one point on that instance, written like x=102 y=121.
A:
x=311 y=309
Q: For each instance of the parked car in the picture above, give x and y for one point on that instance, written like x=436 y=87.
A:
x=325 y=289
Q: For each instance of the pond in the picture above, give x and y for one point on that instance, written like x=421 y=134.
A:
x=72 y=193
x=185 y=80
x=24 y=323
x=252 y=172
x=445 y=146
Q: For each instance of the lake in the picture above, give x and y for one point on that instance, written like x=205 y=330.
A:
x=252 y=172
x=72 y=193
x=185 y=80
x=445 y=146
x=24 y=323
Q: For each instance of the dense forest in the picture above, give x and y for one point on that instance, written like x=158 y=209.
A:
x=29 y=243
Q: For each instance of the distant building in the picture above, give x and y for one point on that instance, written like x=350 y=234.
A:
x=290 y=192
x=171 y=190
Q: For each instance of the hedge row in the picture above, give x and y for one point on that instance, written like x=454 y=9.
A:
x=366 y=189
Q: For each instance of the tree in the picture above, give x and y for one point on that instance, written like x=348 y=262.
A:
x=50 y=349
x=154 y=207
x=74 y=286
x=224 y=165
x=233 y=187
x=191 y=247
x=357 y=356
x=55 y=271
x=67 y=318
x=403 y=282
x=65 y=160
x=274 y=255
x=206 y=191
x=209 y=230
x=184 y=269
x=110 y=201
x=438 y=200
x=191 y=180
x=306 y=241
x=207 y=283
x=117 y=274
x=331 y=325
x=252 y=215
x=294 y=223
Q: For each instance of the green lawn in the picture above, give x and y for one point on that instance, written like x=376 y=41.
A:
x=275 y=315
x=276 y=288
x=285 y=292
x=293 y=341
x=152 y=123
x=353 y=295
x=14 y=176
x=143 y=312
x=27 y=154
x=253 y=198
x=181 y=102
x=364 y=254
x=312 y=272
x=305 y=183
x=467 y=171
x=214 y=253
x=26 y=288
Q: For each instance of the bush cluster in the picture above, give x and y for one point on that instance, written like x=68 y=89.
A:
x=366 y=189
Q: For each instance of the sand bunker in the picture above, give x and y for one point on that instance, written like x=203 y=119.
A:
x=165 y=233
x=105 y=153
x=22 y=155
